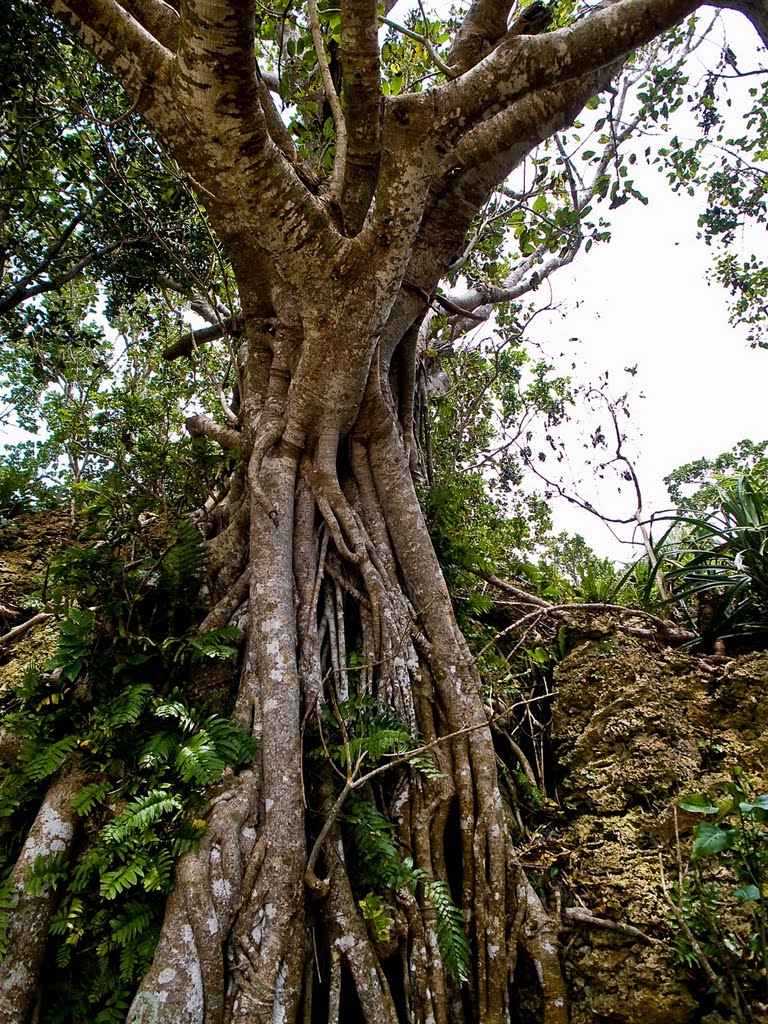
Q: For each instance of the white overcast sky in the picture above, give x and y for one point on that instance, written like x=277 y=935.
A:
x=644 y=300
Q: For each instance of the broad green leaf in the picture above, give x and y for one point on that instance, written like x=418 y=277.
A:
x=697 y=803
x=712 y=839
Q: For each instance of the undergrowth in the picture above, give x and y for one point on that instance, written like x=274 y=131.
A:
x=114 y=702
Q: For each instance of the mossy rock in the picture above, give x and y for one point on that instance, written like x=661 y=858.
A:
x=634 y=728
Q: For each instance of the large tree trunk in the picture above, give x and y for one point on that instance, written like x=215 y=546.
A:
x=339 y=560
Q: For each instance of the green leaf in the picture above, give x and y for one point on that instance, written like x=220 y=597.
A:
x=749 y=892
x=712 y=839
x=451 y=936
x=697 y=803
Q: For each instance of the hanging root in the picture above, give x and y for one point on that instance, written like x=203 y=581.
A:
x=187 y=978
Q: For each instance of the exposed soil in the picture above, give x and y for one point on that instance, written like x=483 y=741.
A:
x=27 y=545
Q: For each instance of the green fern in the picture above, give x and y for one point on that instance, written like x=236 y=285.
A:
x=158 y=876
x=158 y=751
x=141 y=813
x=426 y=764
x=52 y=870
x=178 y=711
x=183 y=564
x=89 y=796
x=68 y=921
x=113 y=882
x=380 y=862
x=376 y=910
x=150 y=755
x=451 y=936
x=217 y=643
x=8 y=900
x=75 y=643
x=371 y=731
x=126 y=707
x=48 y=760
x=198 y=761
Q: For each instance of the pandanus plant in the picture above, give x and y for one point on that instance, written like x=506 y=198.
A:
x=718 y=571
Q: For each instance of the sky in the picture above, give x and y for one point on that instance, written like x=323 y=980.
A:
x=643 y=300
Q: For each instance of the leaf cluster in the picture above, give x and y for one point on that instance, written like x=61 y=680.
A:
x=724 y=893
x=718 y=562
x=380 y=870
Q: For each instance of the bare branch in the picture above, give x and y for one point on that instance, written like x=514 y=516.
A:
x=202 y=426
x=187 y=343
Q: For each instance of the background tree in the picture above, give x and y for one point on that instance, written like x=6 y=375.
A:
x=341 y=214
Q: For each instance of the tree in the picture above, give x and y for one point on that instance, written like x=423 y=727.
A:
x=340 y=228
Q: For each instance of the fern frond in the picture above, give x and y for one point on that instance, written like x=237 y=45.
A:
x=380 y=861
x=451 y=937
x=184 y=562
x=94 y=793
x=128 y=925
x=125 y=707
x=114 y=882
x=426 y=764
x=159 y=877
x=218 y=643
x=159 y=750
x=140 y=814
x=198 y=761
x=68 y=917
x=50 y=758
x=177 y=710
x=50 y=870
x=233 y=743
x=8 y=900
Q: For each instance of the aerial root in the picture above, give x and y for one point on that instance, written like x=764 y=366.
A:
x=221 y=614
x=52 y=832
x=196 y=927
x=270 y=434
x=538 y=934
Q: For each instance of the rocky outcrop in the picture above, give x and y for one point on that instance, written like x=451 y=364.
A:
x=633 y=729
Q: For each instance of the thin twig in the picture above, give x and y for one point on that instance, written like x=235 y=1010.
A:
x=20 y=630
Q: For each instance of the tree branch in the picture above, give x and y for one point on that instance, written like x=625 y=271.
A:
x=484 y=157
x=360 y=62
x=521 y=63
x=158 y=18
x=755 y=10
x=484 y=25
x=217 y=72
x=188 y=342
x=202 y=426
x=126 y=48
x=340 y=160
